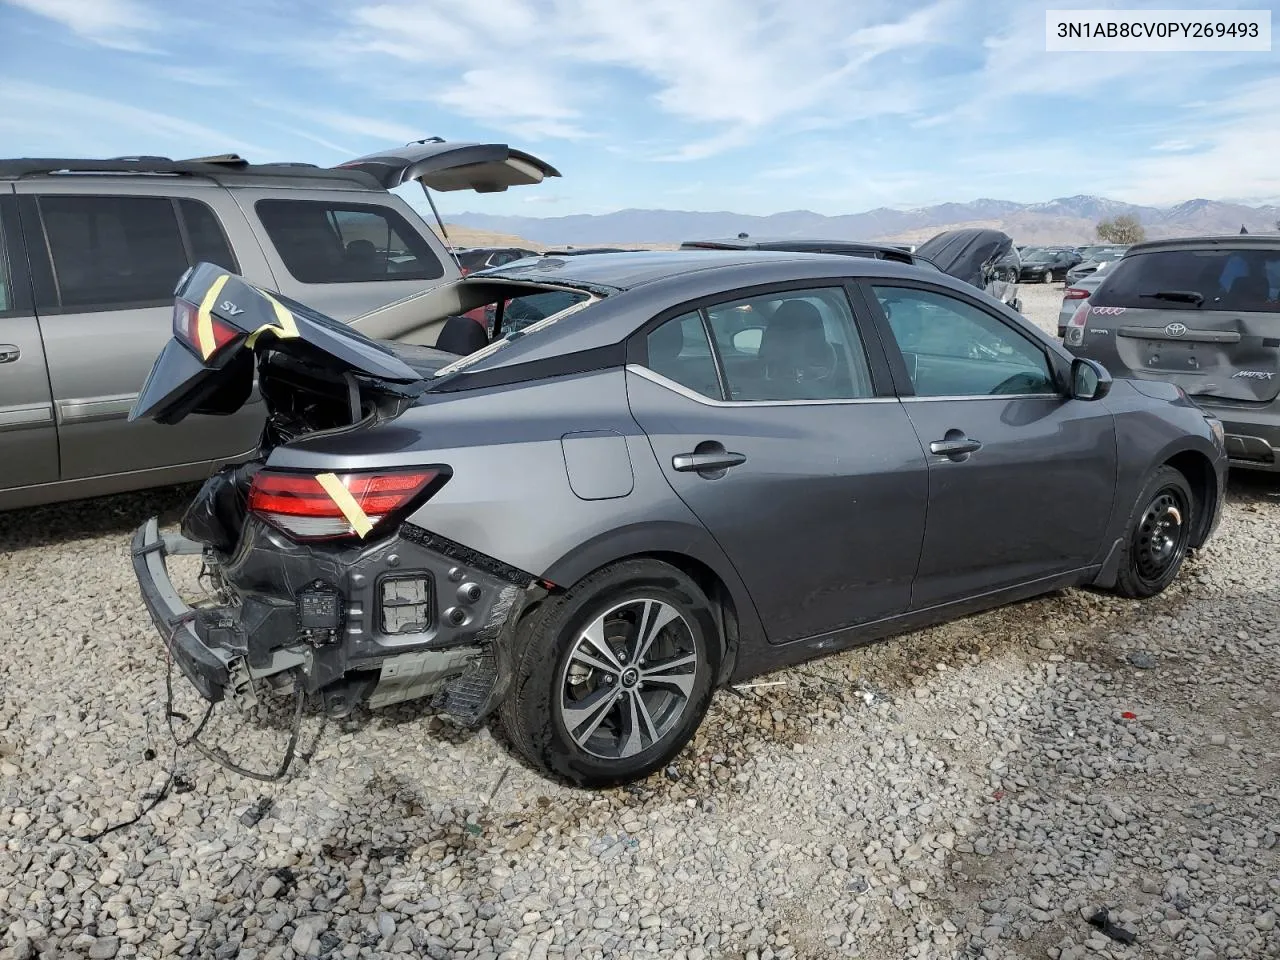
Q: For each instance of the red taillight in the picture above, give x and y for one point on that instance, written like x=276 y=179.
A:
x=204 y=339
x=325 y=506
x=1074 y=293
x=1080 y=317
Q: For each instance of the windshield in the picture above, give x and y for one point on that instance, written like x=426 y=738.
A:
x=1242 y=281
x=514 y=335
x=1038 y=256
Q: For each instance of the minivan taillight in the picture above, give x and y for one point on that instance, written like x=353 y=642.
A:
x=1074 y=335
x=205 y=338
x=328 y=506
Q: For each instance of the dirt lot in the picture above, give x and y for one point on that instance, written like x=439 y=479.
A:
x=979 y=789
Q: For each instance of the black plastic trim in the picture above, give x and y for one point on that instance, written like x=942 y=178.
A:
x=465 y=555
x=13 y=259
x=581 y=361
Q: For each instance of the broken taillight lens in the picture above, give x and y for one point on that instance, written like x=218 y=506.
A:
x=329 y=506
x=204 y=340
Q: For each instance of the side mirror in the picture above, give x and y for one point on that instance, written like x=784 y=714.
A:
x=1089 y=380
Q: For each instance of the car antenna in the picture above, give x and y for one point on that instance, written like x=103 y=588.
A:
x=431 y=201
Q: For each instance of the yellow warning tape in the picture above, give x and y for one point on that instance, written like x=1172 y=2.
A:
x=340 y=495
x=284 y=328
x=204 y=321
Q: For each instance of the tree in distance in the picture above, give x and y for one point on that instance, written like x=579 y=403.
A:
x=1122 y=229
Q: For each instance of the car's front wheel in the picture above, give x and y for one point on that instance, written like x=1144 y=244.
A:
x=612 y=677
x=1158 y=535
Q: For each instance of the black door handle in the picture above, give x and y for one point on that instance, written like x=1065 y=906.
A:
x=706 y=462
x=955 y=445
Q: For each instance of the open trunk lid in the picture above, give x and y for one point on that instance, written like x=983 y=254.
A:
x=222 y=322
x=444 y=166
x=985 y=259
x=1207 y=320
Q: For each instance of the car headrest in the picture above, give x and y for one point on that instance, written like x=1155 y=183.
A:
x=794 y=334
x=462 y=335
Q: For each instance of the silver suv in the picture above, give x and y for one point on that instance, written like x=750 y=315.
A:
x=90 y=252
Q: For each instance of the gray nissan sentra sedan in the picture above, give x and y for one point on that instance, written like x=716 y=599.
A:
x=696 y=469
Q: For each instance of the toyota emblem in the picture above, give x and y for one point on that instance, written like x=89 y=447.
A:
x=1176 y=329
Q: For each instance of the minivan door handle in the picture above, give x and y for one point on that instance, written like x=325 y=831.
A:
x=9 y=353
x=706 y=461
x=955 y=446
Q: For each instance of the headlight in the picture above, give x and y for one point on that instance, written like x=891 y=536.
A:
x=1215 y=427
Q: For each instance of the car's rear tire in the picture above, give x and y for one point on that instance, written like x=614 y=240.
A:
x=580 y=706
x=1158 y=535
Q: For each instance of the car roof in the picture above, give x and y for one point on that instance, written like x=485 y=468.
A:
x=625 y=271
x=1246 y=241
x=800 y=245
x=221 y=169
x=635 y=286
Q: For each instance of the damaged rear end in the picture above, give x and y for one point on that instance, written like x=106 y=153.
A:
x=315 y=581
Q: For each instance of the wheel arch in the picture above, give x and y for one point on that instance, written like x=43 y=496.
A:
x=692 y=551
x=1201 y=476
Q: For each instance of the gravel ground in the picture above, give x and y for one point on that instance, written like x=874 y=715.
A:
x=979 y=789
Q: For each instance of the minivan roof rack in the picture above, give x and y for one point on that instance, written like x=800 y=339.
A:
x=216 y=168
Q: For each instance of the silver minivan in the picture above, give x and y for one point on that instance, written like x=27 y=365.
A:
x=90 y=252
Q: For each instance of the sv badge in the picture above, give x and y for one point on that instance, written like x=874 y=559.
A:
x=230 y=309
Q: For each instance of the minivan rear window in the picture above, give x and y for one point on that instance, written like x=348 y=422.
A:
x=324 y=242
x=1239 y=281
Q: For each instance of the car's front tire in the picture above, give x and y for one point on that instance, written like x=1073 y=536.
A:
x=612 y=677
x=1158 y=535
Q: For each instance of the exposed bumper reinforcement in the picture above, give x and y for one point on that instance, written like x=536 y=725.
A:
x=208 y=668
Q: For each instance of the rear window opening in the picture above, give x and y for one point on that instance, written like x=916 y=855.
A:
x=1237 y=281
x=473 y=318
x=324 y=242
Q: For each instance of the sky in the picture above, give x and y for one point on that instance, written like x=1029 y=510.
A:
x=752 y=106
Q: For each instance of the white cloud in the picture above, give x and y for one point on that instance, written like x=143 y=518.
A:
x=729 y=71
x=84 y=124
x=1234 y=153
x=197 y=76
x=120 y=24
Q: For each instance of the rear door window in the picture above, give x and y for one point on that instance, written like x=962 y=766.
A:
x=792 y=345
x=1241 y=281
x=113 y=251
x=324 y=242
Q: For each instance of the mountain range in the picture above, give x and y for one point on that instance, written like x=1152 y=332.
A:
x=1064 y=220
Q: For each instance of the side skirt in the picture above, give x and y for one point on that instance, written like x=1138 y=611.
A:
x=767 y=657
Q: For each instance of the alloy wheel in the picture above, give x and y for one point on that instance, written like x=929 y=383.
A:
x=628 y=678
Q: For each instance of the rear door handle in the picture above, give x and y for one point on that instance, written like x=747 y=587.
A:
x=9 y=353
x=957 y=448
x=706 y=462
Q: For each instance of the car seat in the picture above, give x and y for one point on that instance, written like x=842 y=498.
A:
x=796 y=359
x=462 y=335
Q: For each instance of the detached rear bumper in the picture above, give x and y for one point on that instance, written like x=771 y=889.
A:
x=208 y=668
